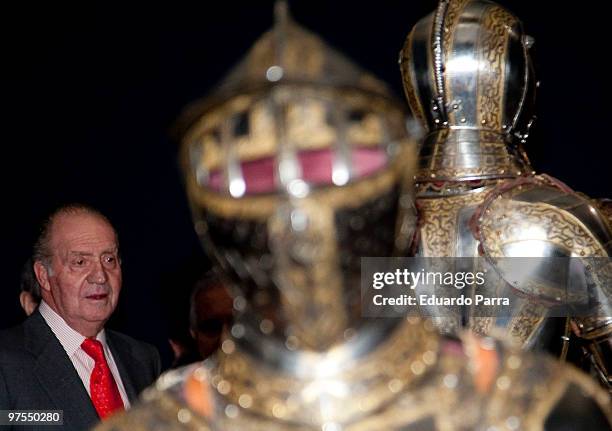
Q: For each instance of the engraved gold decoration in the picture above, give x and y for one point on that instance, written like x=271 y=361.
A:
x=491 y=86
x=561 y=228
x=451 y=19
x=438 y=222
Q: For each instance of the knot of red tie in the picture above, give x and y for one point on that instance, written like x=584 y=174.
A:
x=94 y=348
x=104 y=392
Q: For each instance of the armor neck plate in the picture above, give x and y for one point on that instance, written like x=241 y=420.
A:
x=469 y=154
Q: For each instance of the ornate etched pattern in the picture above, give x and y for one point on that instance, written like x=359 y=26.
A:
x=527 y=321
x=493 y=50
x=502 y=220
x=506 y=220
x=438 y=222
x=451 y=19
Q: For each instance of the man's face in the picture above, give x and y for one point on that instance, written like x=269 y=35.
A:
x=214 y=314
x=85 y=278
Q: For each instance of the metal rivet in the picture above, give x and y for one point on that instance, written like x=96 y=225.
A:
x=503 y=383
x=450 y=381
x=239 y=303
x=266 y=326
x=278 y=411
x=224 y=387
x=417 y=367
x=231 y=411
x=429 y=357
x=228 y=347
x=183 y=416
x=200 y=374
x=292 y=342
x=245 y=401
x=395 y=385
x=514 y=362
x=513 y=422
x=238 y=330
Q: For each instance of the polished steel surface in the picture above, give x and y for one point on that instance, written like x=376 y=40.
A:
x=469 y=78
x=468 y=67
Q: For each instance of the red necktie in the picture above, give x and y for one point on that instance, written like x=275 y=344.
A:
x=103 y=388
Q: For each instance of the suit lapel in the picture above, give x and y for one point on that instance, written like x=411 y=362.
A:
x=57 y=375
x=127 y=365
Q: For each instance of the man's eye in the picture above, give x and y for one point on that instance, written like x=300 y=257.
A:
x=109 y=260
x=79 y=262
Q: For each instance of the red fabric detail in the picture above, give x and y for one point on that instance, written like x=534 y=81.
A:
x=259 y=175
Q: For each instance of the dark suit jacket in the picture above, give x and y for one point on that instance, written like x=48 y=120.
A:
x=36 y=373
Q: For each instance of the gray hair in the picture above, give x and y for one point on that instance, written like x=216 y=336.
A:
x=42 y=247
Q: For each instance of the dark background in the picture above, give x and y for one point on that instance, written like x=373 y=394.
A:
x=90 y=92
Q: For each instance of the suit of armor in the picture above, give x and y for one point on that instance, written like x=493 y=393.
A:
x=469 y=79
x=289 y=233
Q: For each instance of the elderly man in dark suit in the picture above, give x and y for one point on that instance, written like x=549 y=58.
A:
x=61 y=357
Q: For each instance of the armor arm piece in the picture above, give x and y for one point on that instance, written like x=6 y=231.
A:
x=541 y=218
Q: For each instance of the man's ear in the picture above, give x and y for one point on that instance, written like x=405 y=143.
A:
x=27 y=303
x=42 y=275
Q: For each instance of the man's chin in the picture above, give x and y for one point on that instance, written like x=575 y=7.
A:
x=98 y=310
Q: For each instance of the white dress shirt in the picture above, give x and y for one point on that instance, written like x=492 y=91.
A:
x=71 y=341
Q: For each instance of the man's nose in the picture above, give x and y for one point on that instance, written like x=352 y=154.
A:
x=97 y=274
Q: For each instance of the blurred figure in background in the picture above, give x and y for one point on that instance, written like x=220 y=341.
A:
x=198 y=313
x=210 y=314
x=29 y=298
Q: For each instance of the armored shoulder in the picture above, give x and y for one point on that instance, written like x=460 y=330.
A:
x=529 y=228
x=541 y=217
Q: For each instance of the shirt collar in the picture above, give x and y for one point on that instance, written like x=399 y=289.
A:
x=70 y=339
